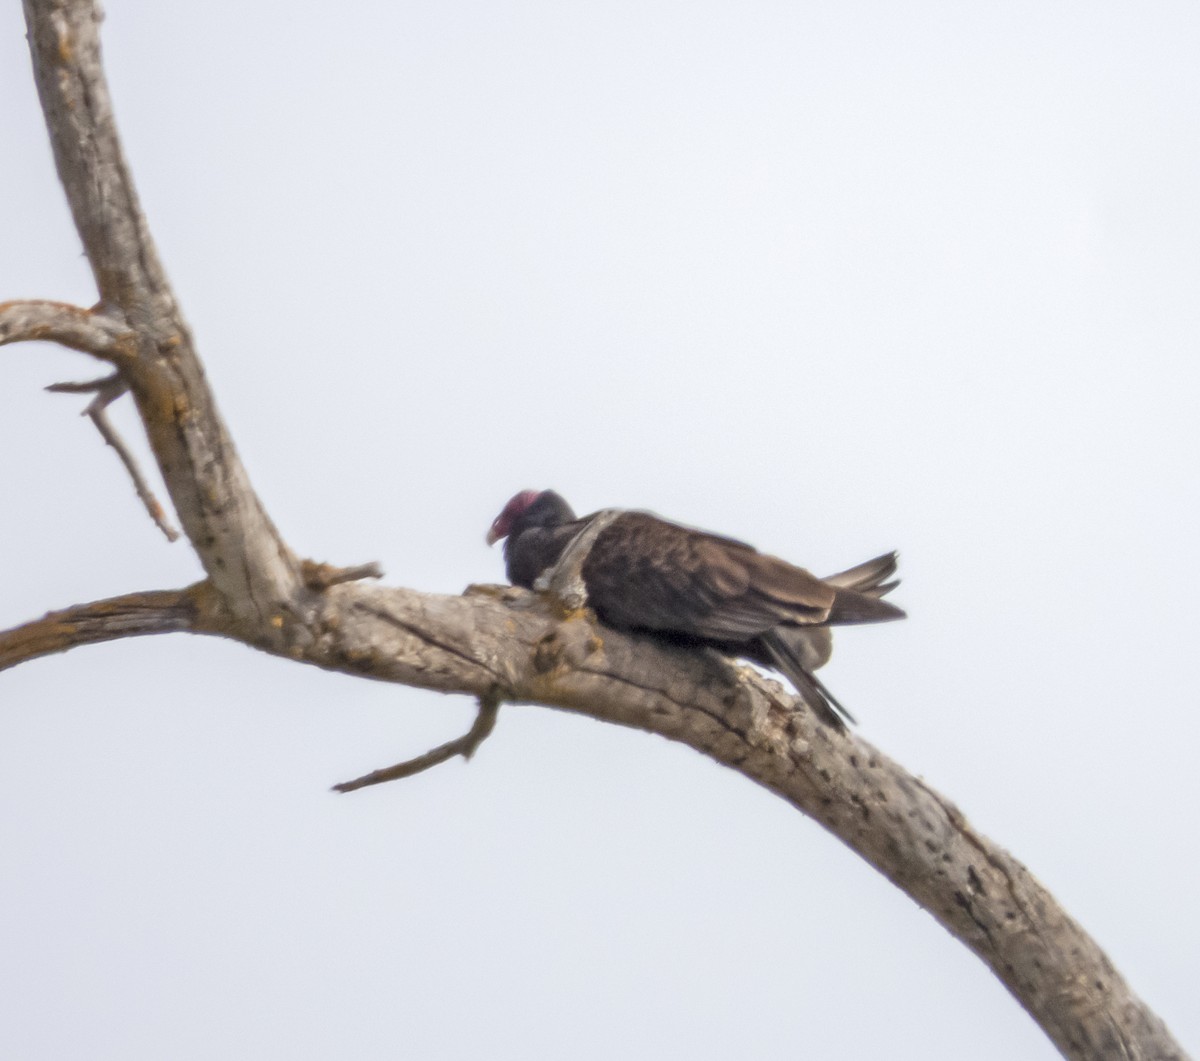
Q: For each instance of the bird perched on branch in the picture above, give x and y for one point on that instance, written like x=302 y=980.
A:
x=648 y=575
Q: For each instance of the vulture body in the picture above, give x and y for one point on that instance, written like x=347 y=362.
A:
x=645 y=574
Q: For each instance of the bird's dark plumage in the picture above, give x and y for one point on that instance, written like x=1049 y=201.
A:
x=647 y=574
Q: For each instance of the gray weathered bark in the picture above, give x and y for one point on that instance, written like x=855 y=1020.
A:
x=498 y=642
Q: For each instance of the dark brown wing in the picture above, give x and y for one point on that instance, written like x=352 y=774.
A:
x=645 y=573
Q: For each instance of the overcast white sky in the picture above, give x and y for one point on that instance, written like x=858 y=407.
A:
x=831 y=278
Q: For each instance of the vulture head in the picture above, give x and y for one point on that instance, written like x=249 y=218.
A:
x=529 y=508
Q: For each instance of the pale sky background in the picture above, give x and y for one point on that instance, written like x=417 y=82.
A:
x=830 y=278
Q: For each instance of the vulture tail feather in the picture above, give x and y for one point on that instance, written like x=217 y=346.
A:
x=868 y=577
x=851 y=606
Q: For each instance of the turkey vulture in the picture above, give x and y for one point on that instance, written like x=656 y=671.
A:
x=647 y=575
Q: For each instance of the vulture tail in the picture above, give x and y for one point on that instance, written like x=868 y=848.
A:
x=811 y=689
x=798 y=651
x=868 y=578
x=850 y=606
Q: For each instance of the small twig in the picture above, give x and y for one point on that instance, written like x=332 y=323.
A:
x=320 y=577
x=107 y=390
x=87 y=386
x=466 y=745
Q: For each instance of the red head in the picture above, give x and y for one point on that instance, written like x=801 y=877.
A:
x=503 y=523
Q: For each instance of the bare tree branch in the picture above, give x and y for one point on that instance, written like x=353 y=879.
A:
x=87 y=386
x=133 y=615
x=107 y=391
x=320 y=577
x=64 y=41
x=508 y=644
x=79 y=329
x=466 y=746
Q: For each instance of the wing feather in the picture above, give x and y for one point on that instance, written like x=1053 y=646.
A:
x=646 y=573
x=869 y=577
